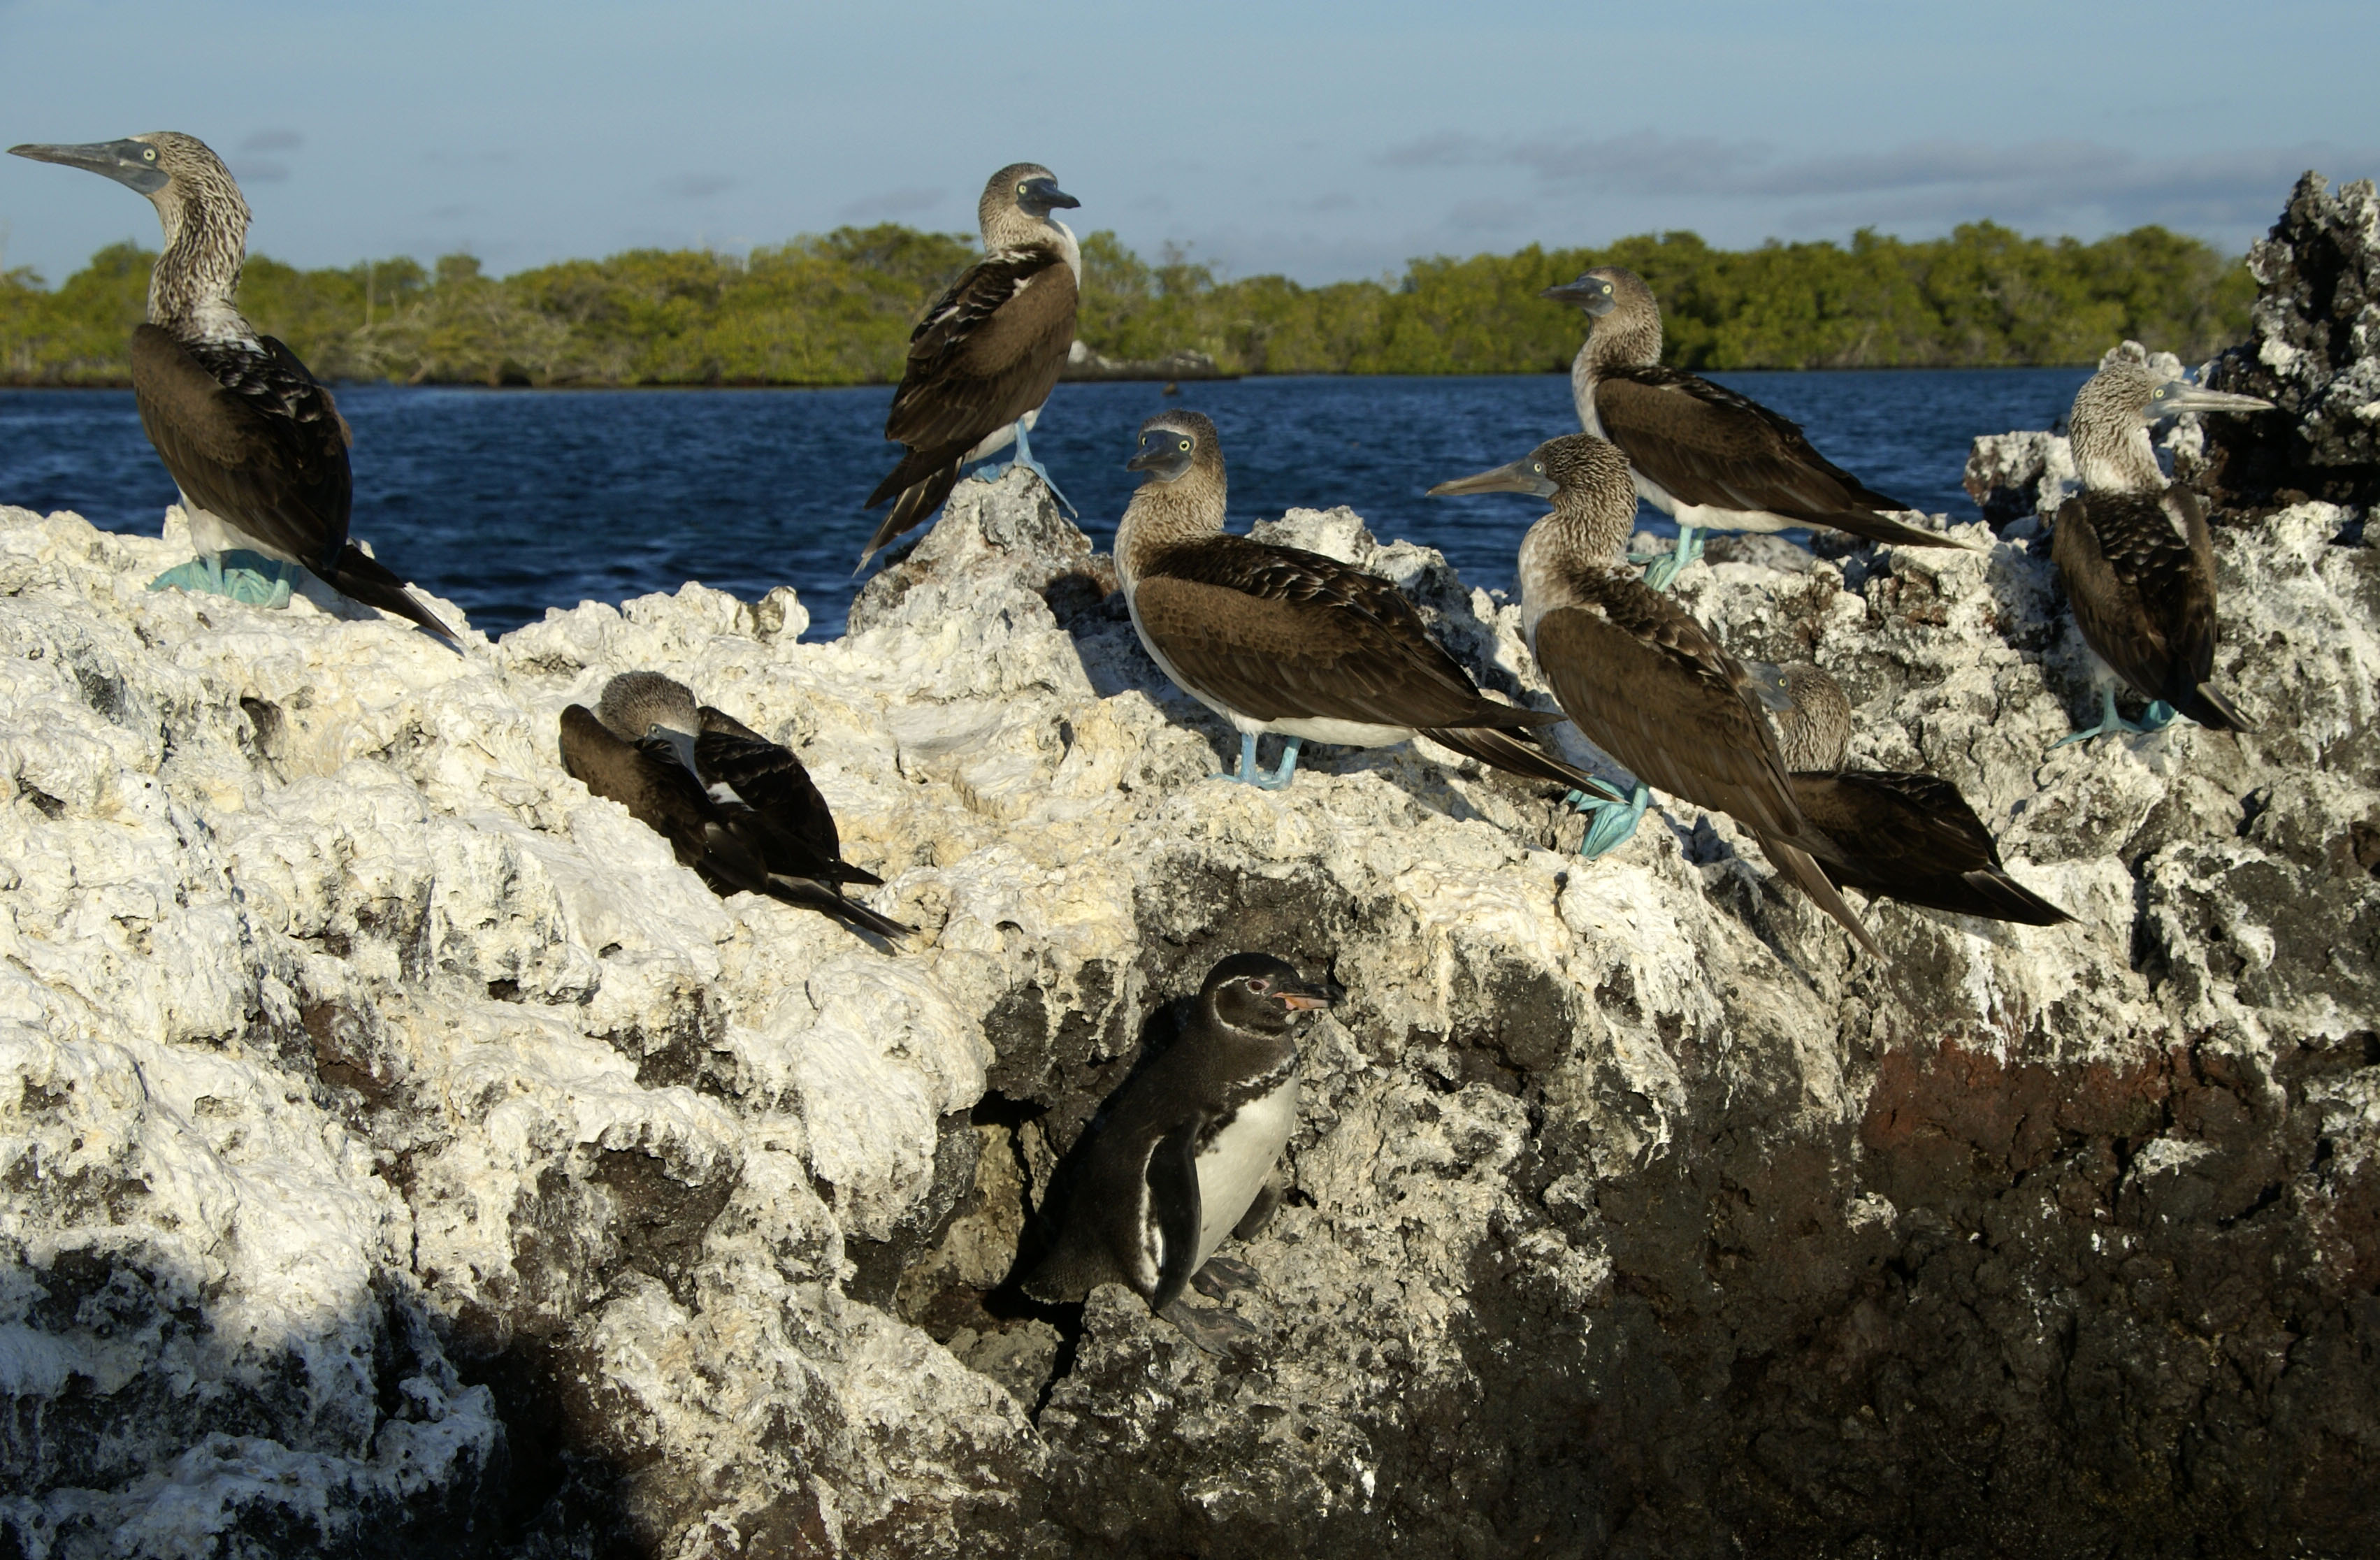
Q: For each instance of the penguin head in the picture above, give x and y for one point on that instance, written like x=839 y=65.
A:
x=1257 y=992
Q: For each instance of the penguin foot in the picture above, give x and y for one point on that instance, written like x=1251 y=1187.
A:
x=1616 y=816
x=1221 y=1276
x=1224 y=1333
x=243 y=576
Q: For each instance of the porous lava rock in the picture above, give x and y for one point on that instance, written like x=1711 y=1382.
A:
x=401 y=1151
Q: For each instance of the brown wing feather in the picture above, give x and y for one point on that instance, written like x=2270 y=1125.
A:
x=1280 y=635
x=2142 y=595
x=795 y=826
x=988 y=353
x=1913 y=837
x=1650 y=688
x=251 y=439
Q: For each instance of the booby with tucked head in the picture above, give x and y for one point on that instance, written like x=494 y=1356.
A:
x=255 y=444
x=1643 y=681
x=1184 y=1153
x=988 y=353
x=2135 y=553
x=1887 y=832
x=737 y=808
x=1699 y=453
x=1280 y=640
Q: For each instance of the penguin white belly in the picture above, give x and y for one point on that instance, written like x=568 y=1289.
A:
x=1344 y=734
x=1232 y=1170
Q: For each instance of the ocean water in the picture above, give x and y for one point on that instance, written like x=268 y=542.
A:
x=510 y=501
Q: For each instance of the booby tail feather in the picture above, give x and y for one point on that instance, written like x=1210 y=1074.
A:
x=358 y=575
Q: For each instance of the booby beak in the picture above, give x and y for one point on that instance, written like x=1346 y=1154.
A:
x=1306 y=998
x=1163 y=452
x=1526 y=475
x=1042 y=196
x=2175 y=397
x=130 y=163
x=1589 y=292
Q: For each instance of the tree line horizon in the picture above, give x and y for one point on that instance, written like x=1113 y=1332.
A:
x=837 y=308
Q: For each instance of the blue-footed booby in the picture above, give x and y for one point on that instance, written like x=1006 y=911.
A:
x=257 y=446
x=2134 y=554
x=737 y=808
x=1184 y=1152
x=1903 y=836
x=1699 y=453
x=988 y=353
x=1278 y=639
x=1643 y=681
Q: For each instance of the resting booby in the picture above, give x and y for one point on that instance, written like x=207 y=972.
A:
x=737 y=808
x=1277 y=639
x=987 y=355
x=2134 y=554
x=255 y=444
x=1699 y=453
x=1643 y=681
x=1185 y=1153
x=1902 y=835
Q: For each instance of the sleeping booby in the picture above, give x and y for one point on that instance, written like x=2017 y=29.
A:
x=1643 y=681
x=737 y=808
x=1703 y=454
x=1184 y=1153
x=1278 y=639
x=2134 y=554
x=1902 y=835
x=987 y=355
x=255 y=444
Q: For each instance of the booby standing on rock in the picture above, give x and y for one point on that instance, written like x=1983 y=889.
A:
x=256 y=446
x=1278 y=639
x=1902 y=835
x=1644 y=681
x=1185 y=1153
x=1699 y=453
x=987 y=355
x=2134 y=554
x=737 y=808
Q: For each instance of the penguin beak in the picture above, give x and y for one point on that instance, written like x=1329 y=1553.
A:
x=1306 y=998
x=1523 y=475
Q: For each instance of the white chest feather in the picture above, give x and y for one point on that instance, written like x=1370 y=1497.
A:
x=1232 y=1170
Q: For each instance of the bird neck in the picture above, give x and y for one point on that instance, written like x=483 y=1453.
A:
x=1628 y=337
x=195 y=276
x=1164 y=515
x=2116 y=458
x=1011 y=229
x=1576 y=536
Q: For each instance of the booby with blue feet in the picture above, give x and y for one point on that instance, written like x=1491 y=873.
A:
x=256 y=445
x=2133 y=553
x=1277 y=639
x=988 y=353
x=1183 y=1154
x=1889 y=833
x=1699 y=453
x=1644 y=681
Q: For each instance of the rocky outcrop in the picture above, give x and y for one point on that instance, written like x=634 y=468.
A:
x=2314 y=352
x=1086 y=362
x=401 y=1150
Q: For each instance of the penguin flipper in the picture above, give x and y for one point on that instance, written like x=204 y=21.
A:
x=1173 y=1209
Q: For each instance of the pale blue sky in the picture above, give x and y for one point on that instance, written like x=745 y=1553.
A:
x=1325 y=141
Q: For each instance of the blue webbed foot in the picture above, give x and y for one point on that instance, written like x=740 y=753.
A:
x=1024 y=458
x=1615 y=817
x=1250 y=774
x=2159 y=715
x=2156 y=717
x=243 y=576
x=1667 y=566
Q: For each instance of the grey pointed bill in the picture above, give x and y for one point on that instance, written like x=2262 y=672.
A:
x=1526 y=475
x=129 y=162
x=1042 y=196
x=1590 y=293
x=2178 y=397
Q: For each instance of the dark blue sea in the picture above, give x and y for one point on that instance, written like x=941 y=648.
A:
x=513 y=500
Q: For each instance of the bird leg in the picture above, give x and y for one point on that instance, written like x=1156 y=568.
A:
x=2110 y=722
x=1250 y=774
x=243 y=576
x=1024 y=458
x=1616 y=816
x=1667 y=566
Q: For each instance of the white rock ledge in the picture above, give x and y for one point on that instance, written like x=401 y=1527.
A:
x=401 y=1149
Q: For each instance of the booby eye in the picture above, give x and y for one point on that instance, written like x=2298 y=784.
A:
x=1186 y=444
x=1538 y=466
x=1022 y=187
x=148 y=154
x=1606 y=286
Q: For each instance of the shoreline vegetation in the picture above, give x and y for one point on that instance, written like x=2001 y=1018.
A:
x=836 y=309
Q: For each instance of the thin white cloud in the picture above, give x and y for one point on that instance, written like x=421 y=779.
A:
x=696 y=186
x=909 y=201
x=272 y=140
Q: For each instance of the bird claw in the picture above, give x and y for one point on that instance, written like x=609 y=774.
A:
x=1616 y=816
x=2159 y=716
x=1221 y=1276
x=1667 y=566
x=252 y=578
x=1218 y=1332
